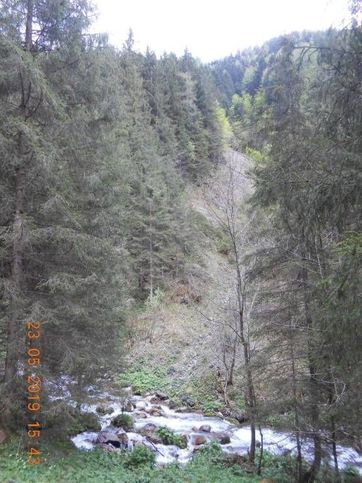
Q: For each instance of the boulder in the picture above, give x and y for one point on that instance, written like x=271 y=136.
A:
x=142 y=415
x=187 y=400
x=155 y=412
x=122 y=436
x=148 y=409
x=149 y=432
x=107 y=447
x=222 y=437
x=106 y=437
x=127 y=406
x=205 y=428
x=233 y=421
x=149 y=427
x=198 y=439
x=161 y=395
x=233 y=413
x=182 y=409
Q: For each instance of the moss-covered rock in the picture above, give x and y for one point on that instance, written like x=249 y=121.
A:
x=168 y=437
x=124 y=421
x=233 y=421
x=103 y=410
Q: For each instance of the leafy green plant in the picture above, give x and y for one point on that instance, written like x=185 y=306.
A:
x=255 y=155
x=140 y=456
x=210 y=452
x=144 y=380
x=169 y=437
x=211 y=405
x=278 y=468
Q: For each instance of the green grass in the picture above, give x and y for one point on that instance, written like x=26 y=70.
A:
x=63 y=464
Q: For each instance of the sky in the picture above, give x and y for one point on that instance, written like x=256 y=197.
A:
x=212 y=29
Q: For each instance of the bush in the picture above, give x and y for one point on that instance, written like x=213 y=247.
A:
x=257 y=156
x=210 y=452
x=279 y=468
x=124 y=421
x=169 y=437
x=351 y=475
x=210 y=405
x=140 y=456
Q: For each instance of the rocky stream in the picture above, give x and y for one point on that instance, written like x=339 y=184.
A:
x=152 y=411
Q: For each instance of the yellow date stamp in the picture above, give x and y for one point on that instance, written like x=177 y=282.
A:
x=33 y=396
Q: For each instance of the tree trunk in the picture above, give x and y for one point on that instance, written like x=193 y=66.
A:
x=250 y=400
x=296 y=408
x=29 y=26
x=12 y=350
x=261 y=454
x=334 y=450
x=313 y=381
x=150 y=250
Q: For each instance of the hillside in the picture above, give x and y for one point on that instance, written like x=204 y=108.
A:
x=180 y=256
x=180 y=336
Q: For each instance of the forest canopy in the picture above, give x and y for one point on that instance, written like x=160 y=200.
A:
x=99 y=150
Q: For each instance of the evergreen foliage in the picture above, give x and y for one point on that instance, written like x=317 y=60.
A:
x=296 y=109
x=96 y=145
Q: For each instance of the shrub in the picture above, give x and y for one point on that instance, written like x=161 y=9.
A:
x=210 y=405
x=210 y=452
x=169 y=437
x=143 y=380
x=140 y=456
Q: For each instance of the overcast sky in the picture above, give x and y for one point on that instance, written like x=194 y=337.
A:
x=212 y=29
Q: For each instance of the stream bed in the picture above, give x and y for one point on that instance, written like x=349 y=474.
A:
x=150 y=413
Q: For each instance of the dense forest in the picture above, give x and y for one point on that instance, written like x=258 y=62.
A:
x=150 y=200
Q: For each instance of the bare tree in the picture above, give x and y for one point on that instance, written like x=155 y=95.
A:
x=224 y=205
